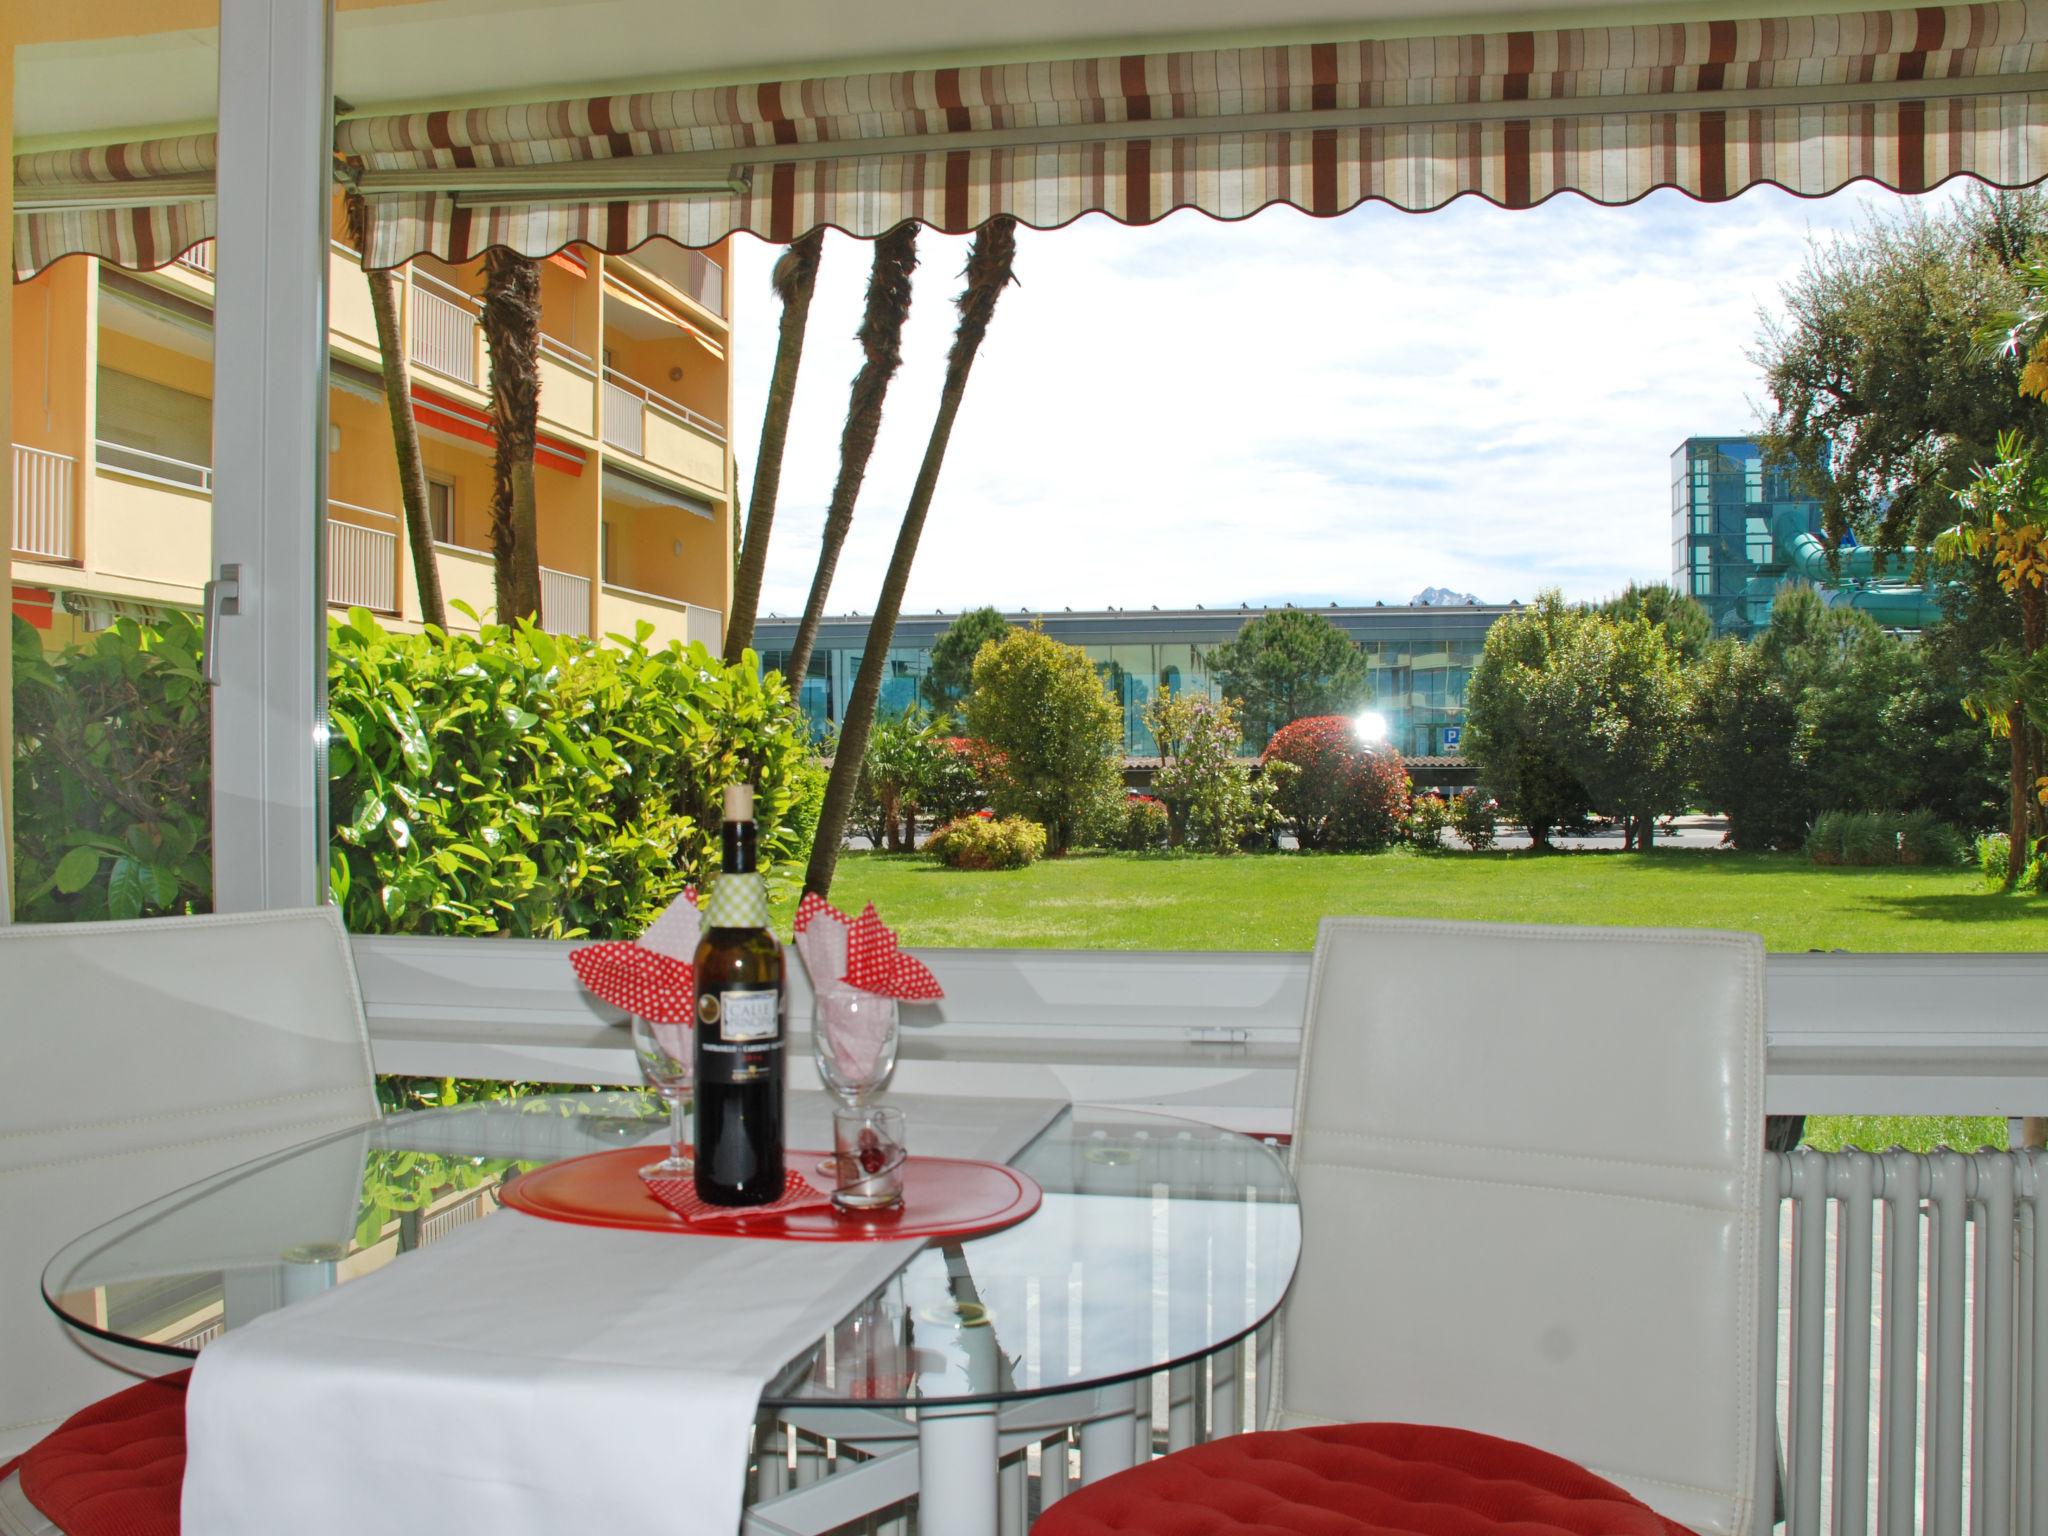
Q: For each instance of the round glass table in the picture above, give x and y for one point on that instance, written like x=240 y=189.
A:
x=1160 y=1245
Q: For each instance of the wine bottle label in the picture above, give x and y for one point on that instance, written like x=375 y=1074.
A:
x=740 y=1033
x=749 y=1015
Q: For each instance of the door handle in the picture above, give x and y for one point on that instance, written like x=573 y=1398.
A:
x=223 y=597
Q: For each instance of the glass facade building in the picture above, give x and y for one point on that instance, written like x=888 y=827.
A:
x=1418 y=658
x=1722 y=550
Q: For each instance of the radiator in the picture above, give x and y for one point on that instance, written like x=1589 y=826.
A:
x=1909 y=1369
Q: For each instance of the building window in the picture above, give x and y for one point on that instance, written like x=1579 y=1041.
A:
x=441 y=510
x=604 y=554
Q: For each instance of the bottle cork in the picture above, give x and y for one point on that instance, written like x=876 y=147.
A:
x=739 y=802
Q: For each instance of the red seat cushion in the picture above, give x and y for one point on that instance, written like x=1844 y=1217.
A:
x=116 y=1468
x=1356 y=1480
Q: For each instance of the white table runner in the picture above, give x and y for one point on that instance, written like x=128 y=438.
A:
x=529 y=1376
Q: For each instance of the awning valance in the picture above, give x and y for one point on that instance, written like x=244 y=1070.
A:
x=138 y=205
x=1908 y=98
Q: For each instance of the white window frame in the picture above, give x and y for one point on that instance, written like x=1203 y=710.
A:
x=439 y=482
x=267 y=616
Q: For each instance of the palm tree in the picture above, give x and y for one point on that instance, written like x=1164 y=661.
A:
x=2004 y=511
x=881 y=338
x=795 y=277
x=511 y=321
x=405 y=431
x=989 y=272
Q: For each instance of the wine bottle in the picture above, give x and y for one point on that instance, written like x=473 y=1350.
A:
x=739 y=1026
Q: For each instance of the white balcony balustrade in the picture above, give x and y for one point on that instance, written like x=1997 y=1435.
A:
x=362 y=559
x=564 y=602
x=444 y=329
x=199 y=259
x=690 y=273
x=160 y=468
x=45 y=502
x=624 y=389
x=625 y=423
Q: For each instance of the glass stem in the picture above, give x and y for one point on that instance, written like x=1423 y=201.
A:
x=678 y=1137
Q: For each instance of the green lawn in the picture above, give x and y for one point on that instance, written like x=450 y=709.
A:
x=1145 y=901
x=1272 y=901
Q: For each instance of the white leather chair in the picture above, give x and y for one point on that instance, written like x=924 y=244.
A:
x=1530 y=1169
x=136 y=1058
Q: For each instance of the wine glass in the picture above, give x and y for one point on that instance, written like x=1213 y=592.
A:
x=665 y=1054
x=854 y=1035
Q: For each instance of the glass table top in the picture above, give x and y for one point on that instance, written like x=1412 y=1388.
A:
x=1159 y=1241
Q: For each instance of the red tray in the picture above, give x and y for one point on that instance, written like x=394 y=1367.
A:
x=942 y=1197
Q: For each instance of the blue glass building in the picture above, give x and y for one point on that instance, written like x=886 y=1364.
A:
x=1419 y=659
x=1723 y=552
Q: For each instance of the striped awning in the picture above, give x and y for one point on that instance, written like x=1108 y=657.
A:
x=1908 y=98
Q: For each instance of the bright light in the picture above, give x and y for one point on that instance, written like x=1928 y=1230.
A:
x=1372 y=726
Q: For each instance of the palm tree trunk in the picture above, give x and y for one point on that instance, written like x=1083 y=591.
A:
x=796 y=276
x=2033 y=604
x=989 y=266
x=511 y=320
x=405 y=431
x=881 y=338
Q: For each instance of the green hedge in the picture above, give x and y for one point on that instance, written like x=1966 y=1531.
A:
x=508 y=782
x=111 y=774
x=542 y=785
x=1875 y=838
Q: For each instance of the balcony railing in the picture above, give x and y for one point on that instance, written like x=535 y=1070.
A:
x=690 y=273
x=625 y=420
x=562 y=352
x=631 y=395
x=362 y=562
x=141 y=464
x=44 y=487
x=564 y=602
x=444 y=329
x=199 y=259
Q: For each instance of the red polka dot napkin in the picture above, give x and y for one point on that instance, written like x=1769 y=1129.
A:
x=861 y=953
x=653 y=976
x=679 y=1194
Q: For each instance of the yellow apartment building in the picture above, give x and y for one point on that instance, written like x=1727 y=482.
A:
x=112 y=381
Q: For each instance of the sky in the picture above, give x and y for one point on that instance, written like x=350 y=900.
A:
x=1290 y=409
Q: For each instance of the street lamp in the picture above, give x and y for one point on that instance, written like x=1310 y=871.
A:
x=1372 y=727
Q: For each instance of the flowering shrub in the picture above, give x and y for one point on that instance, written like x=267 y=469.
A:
x=1145 y=824
x=1476 y=819
x=1205 y=790
x=984 y=842
x=1346 y=795
x=1427 y=818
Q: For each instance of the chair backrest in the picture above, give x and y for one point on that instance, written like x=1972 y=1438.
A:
x=1530 y=1166
x=136 y=1058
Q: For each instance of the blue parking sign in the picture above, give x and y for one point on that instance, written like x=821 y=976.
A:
x=1452 y=734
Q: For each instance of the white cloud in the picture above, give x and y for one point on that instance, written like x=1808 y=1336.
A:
x=1290 y=408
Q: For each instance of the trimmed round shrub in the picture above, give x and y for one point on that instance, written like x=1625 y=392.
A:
x=985 y=842
x=1345 y=794
x=1145 y=825
x=1476 y=818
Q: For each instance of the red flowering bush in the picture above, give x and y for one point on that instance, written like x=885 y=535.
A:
x=1144 y=824
x=1343 y=794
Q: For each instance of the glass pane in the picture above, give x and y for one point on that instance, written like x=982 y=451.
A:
x=111 y=437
